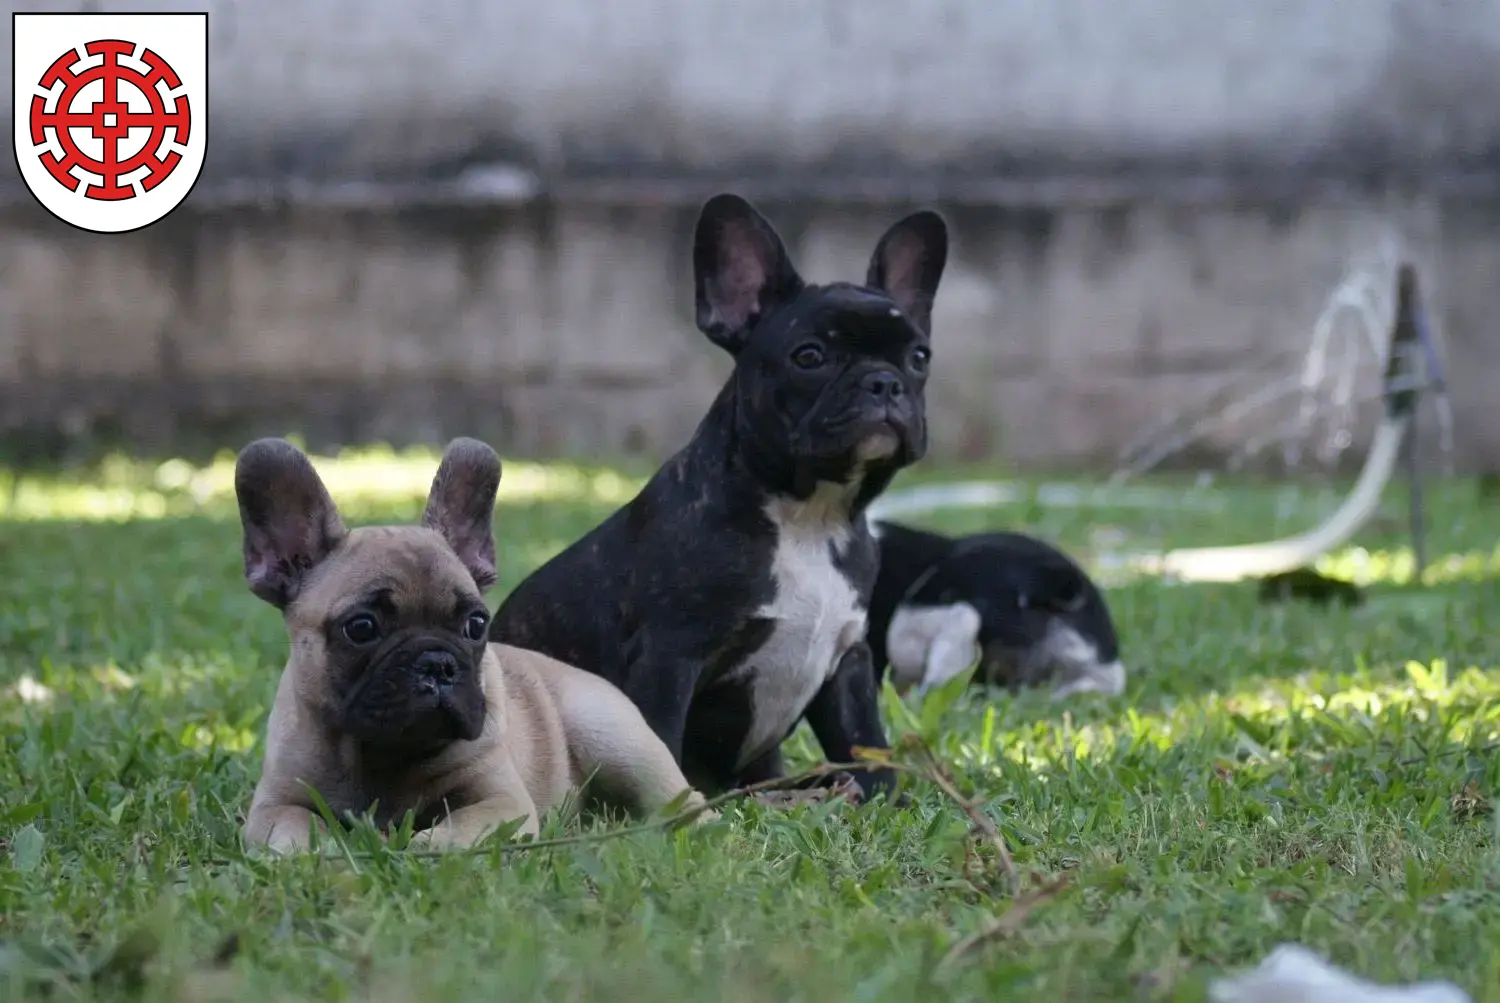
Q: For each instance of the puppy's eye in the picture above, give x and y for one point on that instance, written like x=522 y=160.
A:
x=808 y=357
x=475 y=626
x=920 y=357
x=361 y=629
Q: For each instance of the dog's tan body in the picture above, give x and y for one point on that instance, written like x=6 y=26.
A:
x=550 y=729
x=546 y=729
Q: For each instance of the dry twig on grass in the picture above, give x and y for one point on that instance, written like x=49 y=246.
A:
x=937 y=773
x=1007 y=923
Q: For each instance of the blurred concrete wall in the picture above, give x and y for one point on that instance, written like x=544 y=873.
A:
x=424 y=88
x=421 y=219
x=555 y=328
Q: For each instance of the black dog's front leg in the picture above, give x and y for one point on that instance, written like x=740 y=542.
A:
x=846 y=713
x=660 y=679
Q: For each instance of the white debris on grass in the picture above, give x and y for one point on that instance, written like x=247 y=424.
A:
x=1293 y=974
x=29 y=691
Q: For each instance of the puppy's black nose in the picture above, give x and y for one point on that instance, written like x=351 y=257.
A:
x=438 y=666
x=883 y=386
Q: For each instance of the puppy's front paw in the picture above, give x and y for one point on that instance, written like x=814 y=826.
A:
x=436 y=839
x=285 y=831
x=275 y=848
x=695 y=804
x=447 y=835
x=287 y=846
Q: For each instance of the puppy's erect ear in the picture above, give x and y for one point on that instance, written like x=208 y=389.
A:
x=908 y=263
x=289 y=520
x=461 y=505
x=740 y=270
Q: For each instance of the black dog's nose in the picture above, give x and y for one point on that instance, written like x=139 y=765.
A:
x=883 y=386
x=438 y=666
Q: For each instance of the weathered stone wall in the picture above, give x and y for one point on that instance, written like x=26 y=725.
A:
x=557 y=328
x=422 y=219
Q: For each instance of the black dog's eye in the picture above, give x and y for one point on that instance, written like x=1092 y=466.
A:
x=361 y=629
x=920 y=357
x=474 y=626
x=808 y=357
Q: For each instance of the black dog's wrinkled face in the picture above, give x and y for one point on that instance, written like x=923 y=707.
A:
x=828 y=379
x=388 y=623
x=836 y=378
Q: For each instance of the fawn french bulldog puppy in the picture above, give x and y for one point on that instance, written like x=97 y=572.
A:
x=392 y=698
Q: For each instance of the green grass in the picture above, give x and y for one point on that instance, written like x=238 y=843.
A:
x=1273 y=773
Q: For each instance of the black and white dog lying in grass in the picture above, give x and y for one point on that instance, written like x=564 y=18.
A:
x=1020 y=607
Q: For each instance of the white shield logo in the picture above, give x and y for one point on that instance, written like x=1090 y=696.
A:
x=111 y=114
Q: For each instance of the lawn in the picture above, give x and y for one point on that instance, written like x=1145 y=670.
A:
x=1273 y=773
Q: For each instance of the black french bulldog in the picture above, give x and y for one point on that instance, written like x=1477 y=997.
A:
x=728 y=599
x=1019 y=606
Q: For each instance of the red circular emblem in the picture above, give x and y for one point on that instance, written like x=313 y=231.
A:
x=119 y=131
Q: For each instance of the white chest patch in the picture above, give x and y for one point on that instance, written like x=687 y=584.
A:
x=816 y=617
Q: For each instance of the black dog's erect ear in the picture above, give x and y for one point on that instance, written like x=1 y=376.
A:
x=461 y=505
x=289 y=520
x=740 y=270
x=908 y=263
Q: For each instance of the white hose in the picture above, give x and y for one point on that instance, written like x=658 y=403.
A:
x=1192 y=564
x=1254 y=560
x=978 y=494
x=1405 y=376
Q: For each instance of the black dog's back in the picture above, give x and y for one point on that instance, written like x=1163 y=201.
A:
x=579 y=606
x=1013 y=561
x=555 y=594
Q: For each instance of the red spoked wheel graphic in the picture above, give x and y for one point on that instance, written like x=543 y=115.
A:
x=113 y=127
